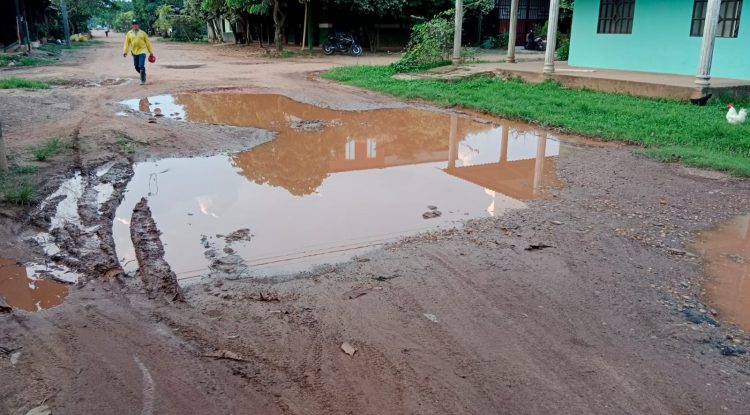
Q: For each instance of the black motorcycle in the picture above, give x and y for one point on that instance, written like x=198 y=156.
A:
x=343 y=43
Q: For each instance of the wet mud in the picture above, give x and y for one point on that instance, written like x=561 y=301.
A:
x=726 y=250
x=75 y=221
x=153 y=270
x=585 y=300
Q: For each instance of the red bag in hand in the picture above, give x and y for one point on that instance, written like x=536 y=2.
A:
x=152 y=58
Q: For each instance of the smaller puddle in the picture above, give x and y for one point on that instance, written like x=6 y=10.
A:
x=726 y=250
x=21 y=288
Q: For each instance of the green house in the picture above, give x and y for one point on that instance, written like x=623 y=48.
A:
x=663 y=36
x=703 y=38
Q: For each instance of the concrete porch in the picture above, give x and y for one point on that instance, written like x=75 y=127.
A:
x=645 y=84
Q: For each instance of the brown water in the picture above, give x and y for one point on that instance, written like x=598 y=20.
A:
x=20 y=289
x=332 y=183
x=726 y=250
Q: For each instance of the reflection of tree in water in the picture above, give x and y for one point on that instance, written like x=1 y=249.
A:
x=299 y=160
x=299 y=164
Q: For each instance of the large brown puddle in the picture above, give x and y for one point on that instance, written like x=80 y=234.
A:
x=332 y=182
x=21 y=290
x=726 y=250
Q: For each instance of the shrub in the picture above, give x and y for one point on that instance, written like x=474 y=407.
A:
x=563 y=48
x=20 y=192
x=187 y=28
x=429 y=45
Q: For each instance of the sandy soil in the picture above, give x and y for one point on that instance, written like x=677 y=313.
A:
x=453 y=322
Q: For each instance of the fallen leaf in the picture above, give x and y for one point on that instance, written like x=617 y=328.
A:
x=348 y=348
x=433 y=318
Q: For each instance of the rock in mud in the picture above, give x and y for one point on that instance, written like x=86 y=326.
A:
x=731 y=350
x=4 y=307
x=432 y=214
x=152 y=267
x=239 y=235
x=697 y=317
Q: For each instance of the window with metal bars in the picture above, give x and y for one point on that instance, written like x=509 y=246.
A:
x=729 y=18
x=616 y=16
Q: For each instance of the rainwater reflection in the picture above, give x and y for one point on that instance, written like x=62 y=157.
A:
x=332 y=183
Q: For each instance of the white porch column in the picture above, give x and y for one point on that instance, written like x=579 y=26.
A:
x=457 y=33
x=453 y=142
x=512 y=32
x=541 y=150
x=549 y=55
x=703 y=78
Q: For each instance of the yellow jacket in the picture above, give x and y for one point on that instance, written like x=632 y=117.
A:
x=137 y=43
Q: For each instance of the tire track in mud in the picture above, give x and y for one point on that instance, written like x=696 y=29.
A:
x=149 y=388
x=463 y=285
x=565 y=374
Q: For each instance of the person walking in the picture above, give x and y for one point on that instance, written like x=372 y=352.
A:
x=137 y=43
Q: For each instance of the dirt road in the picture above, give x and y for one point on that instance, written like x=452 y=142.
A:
x=475 y=320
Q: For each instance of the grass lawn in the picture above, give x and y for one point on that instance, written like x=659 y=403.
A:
x=22 y=83
x=668 y=130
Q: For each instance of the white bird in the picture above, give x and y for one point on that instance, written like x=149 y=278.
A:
x=734 y=116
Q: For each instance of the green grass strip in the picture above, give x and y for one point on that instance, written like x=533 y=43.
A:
x=670 y=130
x=22 y=83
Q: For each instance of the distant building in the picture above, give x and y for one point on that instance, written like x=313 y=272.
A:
x=661 y=36
x=32 y=13
x=532 y=14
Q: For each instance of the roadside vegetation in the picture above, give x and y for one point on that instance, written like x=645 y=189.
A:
x=49 y=149
x=23 y=60
x=17 y=185
x=667 y=129
x=22 y=83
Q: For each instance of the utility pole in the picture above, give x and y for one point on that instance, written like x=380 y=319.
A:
x=457 y=32
x=66 y=28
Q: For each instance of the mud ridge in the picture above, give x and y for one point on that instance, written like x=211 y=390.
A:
x=152 y=267
x=75 y=221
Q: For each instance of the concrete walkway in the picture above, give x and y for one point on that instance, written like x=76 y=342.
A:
x=647 y=84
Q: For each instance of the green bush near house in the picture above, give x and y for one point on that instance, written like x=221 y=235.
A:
x=563 y=48
x=667 y=129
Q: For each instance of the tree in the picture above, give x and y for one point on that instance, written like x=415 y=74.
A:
x=80 y=11
x=163 y=23
x=370 y=12
x=211 y=12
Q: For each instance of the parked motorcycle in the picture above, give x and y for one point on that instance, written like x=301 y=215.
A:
x=343 y=43
x=534 y=42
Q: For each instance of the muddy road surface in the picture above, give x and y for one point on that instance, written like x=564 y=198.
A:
x=239 y=236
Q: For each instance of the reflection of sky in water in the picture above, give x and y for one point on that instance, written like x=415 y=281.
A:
x=370 y=194
x=485 y=147
x=164 y=104
x=206 y=196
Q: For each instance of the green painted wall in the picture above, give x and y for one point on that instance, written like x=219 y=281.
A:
x=660 y=41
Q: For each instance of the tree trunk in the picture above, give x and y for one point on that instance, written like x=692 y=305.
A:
x=278 y=25
x=248 y=34
x=219 y=33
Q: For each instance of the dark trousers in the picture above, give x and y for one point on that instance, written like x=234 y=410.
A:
x=139 y=61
